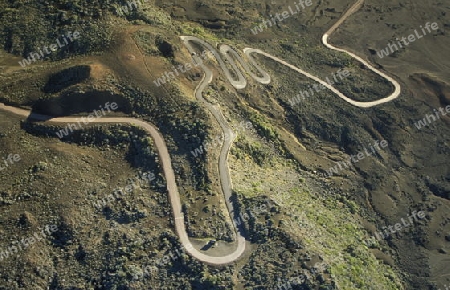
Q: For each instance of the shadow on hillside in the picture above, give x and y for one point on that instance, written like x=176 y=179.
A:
x=79 y=103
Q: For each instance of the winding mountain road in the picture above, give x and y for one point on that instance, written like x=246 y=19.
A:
x=397 y=90
x=166 y=165
x=225 y=180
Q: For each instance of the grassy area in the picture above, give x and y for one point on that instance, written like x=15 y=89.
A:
x=329 y=227
x=193 y=29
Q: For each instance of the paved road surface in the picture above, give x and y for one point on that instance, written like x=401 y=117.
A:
x=225 y=180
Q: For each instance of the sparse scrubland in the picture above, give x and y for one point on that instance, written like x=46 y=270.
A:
x=314 y=226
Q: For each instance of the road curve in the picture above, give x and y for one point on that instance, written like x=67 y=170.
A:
x=166 y=165
x=265 y=79
x=226 y=51
x=224 y=174
x=355 y=7
x=240 y=83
